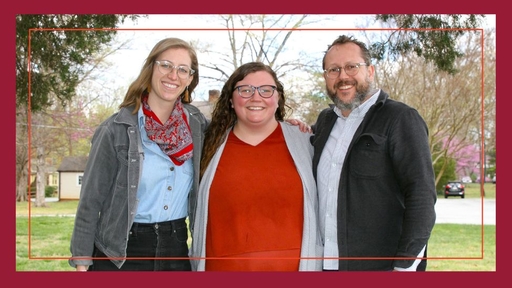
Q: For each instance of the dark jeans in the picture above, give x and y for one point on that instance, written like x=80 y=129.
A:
x=154 y=245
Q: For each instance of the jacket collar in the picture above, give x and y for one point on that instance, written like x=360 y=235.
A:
x=126 y=116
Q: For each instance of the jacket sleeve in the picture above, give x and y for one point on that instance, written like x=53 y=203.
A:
x=412 y=163
x=99 y=176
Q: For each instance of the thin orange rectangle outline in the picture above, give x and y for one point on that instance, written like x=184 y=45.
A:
x=268 y=29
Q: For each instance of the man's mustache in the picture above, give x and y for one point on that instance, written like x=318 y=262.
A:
x=345 y=83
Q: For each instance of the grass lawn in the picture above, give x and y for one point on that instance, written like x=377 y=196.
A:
x=452 y=247
x=462 y=247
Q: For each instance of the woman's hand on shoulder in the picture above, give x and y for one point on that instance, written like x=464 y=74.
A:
x=303 y=126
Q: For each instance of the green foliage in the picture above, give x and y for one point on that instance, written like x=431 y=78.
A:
x=431 y=36
x=447 y=174
x=57 y=49
x=49 y=191
x=491 y=156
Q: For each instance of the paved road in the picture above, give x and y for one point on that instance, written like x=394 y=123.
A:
x=466 y=211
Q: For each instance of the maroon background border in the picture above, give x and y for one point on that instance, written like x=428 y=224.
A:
x=232 y=279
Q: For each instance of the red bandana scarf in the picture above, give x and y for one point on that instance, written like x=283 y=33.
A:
x=173 y=137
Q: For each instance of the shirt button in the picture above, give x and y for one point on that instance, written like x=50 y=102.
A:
x=172 y=168
x=166 y=207
x=169 y=188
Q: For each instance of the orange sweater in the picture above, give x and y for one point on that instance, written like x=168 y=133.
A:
x=255 y=208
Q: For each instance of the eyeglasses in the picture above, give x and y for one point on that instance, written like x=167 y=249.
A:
x=246 y=91
x=351 y=69
x=166 y=67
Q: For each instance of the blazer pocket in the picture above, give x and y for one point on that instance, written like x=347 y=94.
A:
x=368 y=156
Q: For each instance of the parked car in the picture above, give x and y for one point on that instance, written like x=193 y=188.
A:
x=454 y=188
x=466 y=179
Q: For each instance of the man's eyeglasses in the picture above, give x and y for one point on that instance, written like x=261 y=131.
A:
x=351 y=69
x=166 y=67
x=246 y=91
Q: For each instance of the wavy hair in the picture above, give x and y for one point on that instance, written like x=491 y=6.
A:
x=140 y=85
x=224 y=116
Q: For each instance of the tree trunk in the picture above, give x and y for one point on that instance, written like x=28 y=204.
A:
x=40 y=178
x=22 y=174
x=22 y=183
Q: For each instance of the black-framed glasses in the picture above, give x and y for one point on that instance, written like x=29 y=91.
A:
x=246 y=91
x=166 y=67
x=351 y=69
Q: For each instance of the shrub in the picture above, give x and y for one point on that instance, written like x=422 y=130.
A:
x=448 y=173
x=49 y=191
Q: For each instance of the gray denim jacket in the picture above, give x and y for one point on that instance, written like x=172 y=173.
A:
x=108 y=197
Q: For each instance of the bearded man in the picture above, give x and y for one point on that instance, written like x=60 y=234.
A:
x=373 y=168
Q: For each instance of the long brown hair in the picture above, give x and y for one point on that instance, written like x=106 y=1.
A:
x=143 y=81
x=224 y=116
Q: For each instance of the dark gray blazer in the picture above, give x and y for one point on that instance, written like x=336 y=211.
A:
x=387 y=189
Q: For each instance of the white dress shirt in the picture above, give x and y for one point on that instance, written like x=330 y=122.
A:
x=329 y=172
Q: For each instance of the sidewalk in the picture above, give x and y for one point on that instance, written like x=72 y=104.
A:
x=466 y=211
x=47 y=199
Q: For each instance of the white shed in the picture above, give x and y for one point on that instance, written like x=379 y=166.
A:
x=71 y=171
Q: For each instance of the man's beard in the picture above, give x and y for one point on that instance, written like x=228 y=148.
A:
x=362 y=90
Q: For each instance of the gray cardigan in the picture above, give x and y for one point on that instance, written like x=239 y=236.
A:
x=301 y=151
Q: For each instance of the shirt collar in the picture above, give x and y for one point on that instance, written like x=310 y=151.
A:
x=141 y=117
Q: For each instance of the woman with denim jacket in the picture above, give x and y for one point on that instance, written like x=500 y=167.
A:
x=142 y=174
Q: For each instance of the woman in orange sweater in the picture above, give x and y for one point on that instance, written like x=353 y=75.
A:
x=257 y=202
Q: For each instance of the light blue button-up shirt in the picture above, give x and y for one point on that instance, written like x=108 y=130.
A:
x=329 y=168
x=164 y=187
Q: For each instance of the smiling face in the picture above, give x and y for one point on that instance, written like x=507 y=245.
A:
x=256 y=110
x=166 y=88
x=348 y=92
